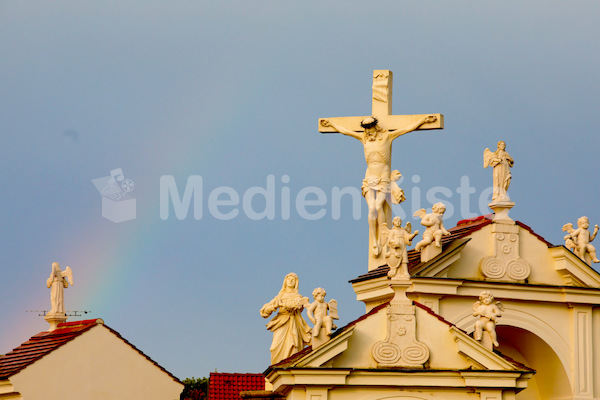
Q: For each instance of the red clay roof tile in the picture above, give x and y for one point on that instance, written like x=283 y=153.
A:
x=227 y=386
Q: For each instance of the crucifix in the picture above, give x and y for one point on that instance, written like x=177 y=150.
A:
x=376 y=132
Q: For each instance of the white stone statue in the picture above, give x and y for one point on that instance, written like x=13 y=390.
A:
x=57 y=282
x=377 y=132
x=502 y=162
x=322 y=314
x=396 y=240
x=379 y=179
x=290 y=331
x=578 y=240
x=569 y=243
x=435 y=225
x=488 y=313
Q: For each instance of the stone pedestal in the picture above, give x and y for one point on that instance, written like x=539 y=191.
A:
x=321 y=338
x=501 y=209
x=55 y=319
x=505 y=264
x=430 y=252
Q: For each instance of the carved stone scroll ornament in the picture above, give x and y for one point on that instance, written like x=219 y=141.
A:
x=401 y=347
x=505 y=265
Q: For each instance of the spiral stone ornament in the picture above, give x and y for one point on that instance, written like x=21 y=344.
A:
x=415 y=354
x=492 y=268
x=386 y=352
x=518 y=270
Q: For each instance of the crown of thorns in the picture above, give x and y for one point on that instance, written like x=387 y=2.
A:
x=369 y=122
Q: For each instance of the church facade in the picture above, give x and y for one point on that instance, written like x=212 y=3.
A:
x=548 y=333
x=485 y=310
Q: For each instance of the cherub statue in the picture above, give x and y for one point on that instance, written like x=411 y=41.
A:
x=57 y=282
x=580 y=238
x=317 y=312
x=502 y=162
x=569 y=243
x=397 y=239
x=290 y=331
x=488 y=313
x=435 y=226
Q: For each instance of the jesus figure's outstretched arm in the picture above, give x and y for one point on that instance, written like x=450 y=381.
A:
x=342 y=130
x=399 y=132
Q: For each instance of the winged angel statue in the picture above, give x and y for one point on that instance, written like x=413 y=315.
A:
x=57 y=282
x=502 y=162
x=396 y=241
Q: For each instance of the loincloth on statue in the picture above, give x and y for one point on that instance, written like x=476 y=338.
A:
x=383 y=185
x=376 y=183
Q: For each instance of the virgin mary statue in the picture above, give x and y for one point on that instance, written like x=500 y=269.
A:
x=290 y=331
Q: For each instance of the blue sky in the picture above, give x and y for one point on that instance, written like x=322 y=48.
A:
x=231 y=91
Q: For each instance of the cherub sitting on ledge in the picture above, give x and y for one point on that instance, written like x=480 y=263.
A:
x=489 y=314
x=435 y=226
x=317 y=312
x=578 y=240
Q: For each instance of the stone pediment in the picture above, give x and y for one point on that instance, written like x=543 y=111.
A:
x=449 y=347
x=357 y=355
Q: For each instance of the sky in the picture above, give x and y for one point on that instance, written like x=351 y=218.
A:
x=224 y=97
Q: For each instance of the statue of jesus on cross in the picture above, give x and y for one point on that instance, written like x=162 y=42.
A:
x=376 y=133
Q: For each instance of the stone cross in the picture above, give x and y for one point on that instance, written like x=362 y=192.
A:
x=378 y=152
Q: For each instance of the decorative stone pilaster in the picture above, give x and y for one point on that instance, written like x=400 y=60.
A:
x=401 y=347
x=505 y=265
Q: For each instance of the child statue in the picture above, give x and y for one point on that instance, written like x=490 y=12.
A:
x=397 y=239
x=580 y=238
x=488 y=313
x=435 y=226
x=317 y=313
x=569 y=243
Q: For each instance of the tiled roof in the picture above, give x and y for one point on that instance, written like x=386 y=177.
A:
x=227 y=386
x=46 y=342
x=41 y=344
